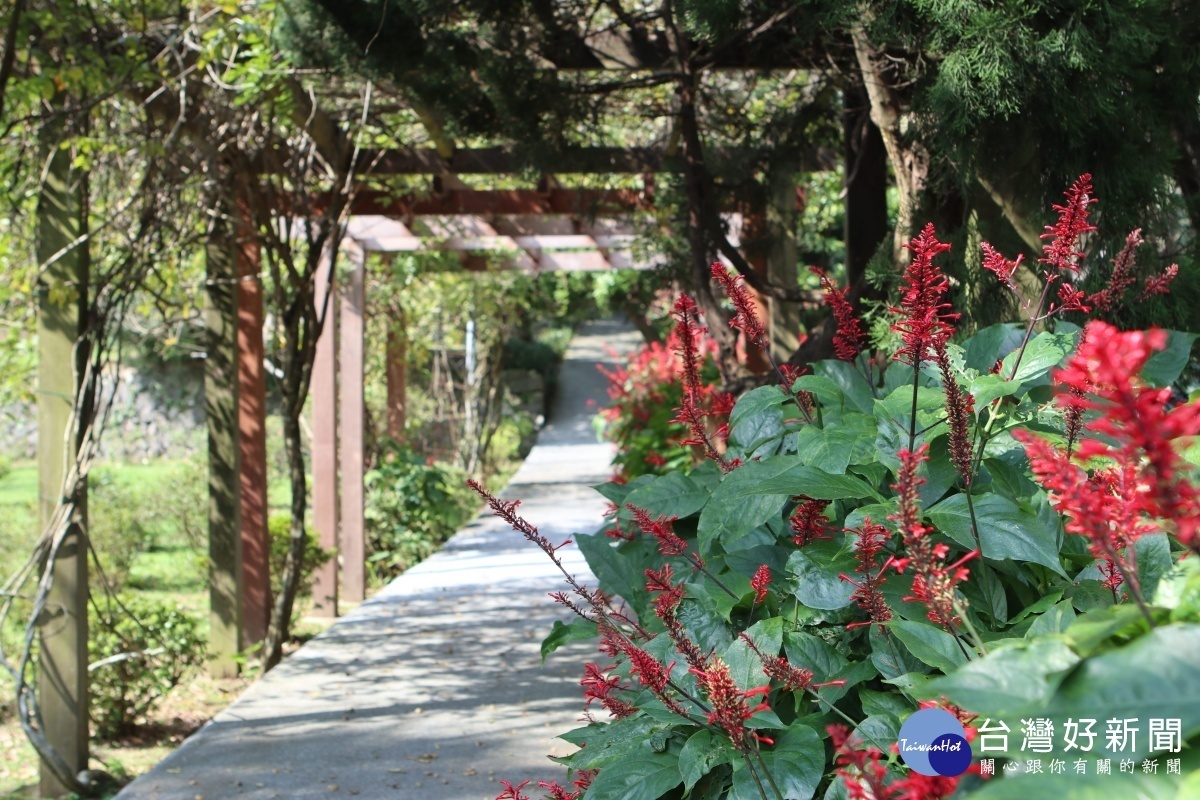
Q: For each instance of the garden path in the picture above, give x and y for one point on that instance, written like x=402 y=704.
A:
x=433 y=688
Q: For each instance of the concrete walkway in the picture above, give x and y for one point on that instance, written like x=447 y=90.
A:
x=434 y=688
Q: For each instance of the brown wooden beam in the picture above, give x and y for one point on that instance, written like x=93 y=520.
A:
x=397 y=373
x=252 y=441
x=324 y=450
x=499 y=201
x=350 y=426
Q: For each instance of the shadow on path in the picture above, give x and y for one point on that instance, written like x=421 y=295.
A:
x=434 y=688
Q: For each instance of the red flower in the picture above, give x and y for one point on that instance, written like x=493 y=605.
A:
x=668 y=543
x=1063 y=252
x=958 y=415
x=1122 y=275
x=647 y=669
x=1159 y=284
x=848 y=340
x=925 y=320
x=760 y=582
x=780 y=669
x=666 y=607
x=1001 y=266
x=745 y=318
x=598 y=686
x=729 y=707
x=584 y=778
x=655 y=460
x=512 y=792
x=871 y=539
x=934 y=581
x=862 y=769
x=689 y=412
x=808 y=521
x=557 y=792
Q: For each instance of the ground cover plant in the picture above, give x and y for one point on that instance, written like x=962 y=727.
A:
x=1004 y=527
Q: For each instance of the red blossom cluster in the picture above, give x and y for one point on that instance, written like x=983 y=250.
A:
x=557 y=792
x=729 y=707
x=925 y=319
x=691 y=411
x=808 y=521
x=777 y=668
x=661 y=529
x=871 y=539
x=745 y=318
x=513 y=792
x=666 y=606
x=1134 y=430
x=760 y=582
x=848 y=340
x=1063 y=253
x=960 y=407
x=598 y=686
x=934 y=580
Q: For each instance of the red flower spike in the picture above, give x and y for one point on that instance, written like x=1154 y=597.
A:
x=729 y=707
x=848 y=340
x=958 y=415
x=780 y=669
x=1063 y=252
x=598 y=686
x=933 y=581
x=668 y=543
x=512 y=792
x=808 y=521
x=745 y=318
x=925 y=318
x=659 y=580
x=862 y=769
x=584 y=778
x=689 y=412
x=1122 y=275
x=1159 y=284
x=559 y=793
x=1004 y=269
x=871 y=539
x=760 y=582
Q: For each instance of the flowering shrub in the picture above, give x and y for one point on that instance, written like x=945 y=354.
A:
x=1003 y=528
x=644 y=395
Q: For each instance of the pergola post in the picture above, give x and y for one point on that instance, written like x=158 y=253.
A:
x=781 y=259
x=324 y=450
x=62 y=294
x=252 y=438
x=224 y=481
x=350 y=432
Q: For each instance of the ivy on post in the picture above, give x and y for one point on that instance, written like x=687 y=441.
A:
x=224 y=458
x=324 y=450
x=350 y=450
x=62 y=251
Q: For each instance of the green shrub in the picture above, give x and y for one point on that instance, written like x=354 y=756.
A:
x=121 y=522
x=147 y=646
x=412 y=507
x=279 y=527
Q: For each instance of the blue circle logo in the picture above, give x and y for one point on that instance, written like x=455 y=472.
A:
x=932 y=742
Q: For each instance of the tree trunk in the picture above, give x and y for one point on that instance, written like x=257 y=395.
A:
x=866 y=169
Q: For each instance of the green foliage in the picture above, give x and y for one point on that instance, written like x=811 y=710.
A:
x=147 y=647
x=279 y=528
x=1039 y=637
x=413 y=506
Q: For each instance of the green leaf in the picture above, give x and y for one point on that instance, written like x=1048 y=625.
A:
x=987 y=388
x=643 y=775
x=756 y=492
x=830 y=449
x=991 y=344
x=814 y=653
x=618 y=575
x=796 y=762
x=672 y=495
x=560 y=635
x=745 y=667
x=701 y=752
x=1153 y=561
x=754 y=402
x=1056 y=620
x=883 y=703
x=1006 y=531
x=817 y=567
x=1008 y=681
x=850 y=381
x=828 y=393
x=755 y=431
x=1043 y=353
x=1164 y=367
x=930 y=644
